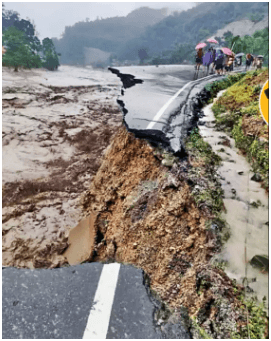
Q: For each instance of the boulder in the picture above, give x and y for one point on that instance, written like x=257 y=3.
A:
x=261 y=262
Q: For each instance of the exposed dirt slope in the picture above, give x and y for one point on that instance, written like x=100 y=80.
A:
x=148 y=217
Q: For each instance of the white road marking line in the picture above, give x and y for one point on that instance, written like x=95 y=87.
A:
x=99 y=317
x=164 y=107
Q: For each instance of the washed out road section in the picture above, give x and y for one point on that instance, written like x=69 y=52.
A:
x=155 y=102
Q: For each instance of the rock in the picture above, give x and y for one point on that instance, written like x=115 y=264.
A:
x=256 y=177
x=263 y=140
x=171 y=182
x=167 y=162
x=261 y=262
x=254 y=203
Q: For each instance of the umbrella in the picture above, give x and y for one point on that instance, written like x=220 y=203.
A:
x=200 y=46
x=212 y=41
x=227 y=51
x=239 y=55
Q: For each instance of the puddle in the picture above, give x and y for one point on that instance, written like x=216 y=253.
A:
x=248 y=224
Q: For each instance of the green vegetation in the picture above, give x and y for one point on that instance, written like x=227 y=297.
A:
x=257 y=327
x=169 y=39
x=51 y=61
x=209 y=192
x=202 y=149
x=257 y=44
x=237 y=112
x=19 y=53
x=200 y=332
x=257 y=153
x=23 y=47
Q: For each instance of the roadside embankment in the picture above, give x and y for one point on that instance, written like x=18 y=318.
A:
x=165 y=215
x=237 y=112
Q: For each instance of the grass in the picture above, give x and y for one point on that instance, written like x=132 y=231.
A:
x=256 y=153
x=237 y=112
x=209 y=192
x=200 y=331
x=257 y=327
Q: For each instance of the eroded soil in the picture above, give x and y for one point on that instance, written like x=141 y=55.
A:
x=146 y=216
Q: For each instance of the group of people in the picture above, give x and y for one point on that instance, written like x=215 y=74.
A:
x=214 y=59
x=254 y=61
x=221 y=63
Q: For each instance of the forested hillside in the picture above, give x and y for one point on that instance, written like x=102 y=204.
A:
x=191 y=26
x=154 y=35
x=106 y=34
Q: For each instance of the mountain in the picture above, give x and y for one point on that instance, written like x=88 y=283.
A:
x=191 y=26
x=106 y=34
x=154 y=32
x=242 y=27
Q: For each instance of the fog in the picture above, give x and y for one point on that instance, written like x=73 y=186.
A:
x=50 y=18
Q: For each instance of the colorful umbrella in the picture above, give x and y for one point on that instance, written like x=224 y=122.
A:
x=227 y=51
x=200 y=46
x=239 y=55
x=212 y=41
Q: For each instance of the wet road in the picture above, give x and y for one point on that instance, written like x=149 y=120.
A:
x=56 y=304
x=160 y=84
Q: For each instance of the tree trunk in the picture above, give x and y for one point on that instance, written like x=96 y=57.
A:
x=16 y=69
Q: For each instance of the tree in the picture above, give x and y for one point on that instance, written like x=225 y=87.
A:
x=28 y=28
x=142 y=54
x=18 y=52
x=9 y=18
x=51 y=61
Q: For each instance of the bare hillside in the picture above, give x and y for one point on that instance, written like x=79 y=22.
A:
x=242 y=27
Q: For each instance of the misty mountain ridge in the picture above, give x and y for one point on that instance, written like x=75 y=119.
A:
x=152 y=30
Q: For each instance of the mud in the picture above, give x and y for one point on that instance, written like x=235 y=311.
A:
x=146 y=216
x=54 y=137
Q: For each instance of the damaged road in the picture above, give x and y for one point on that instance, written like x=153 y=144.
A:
x=156 y=102
x=133 y=195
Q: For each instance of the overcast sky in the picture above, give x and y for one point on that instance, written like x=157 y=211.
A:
x=51 y=18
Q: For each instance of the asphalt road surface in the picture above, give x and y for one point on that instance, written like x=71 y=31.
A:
x=95 y=300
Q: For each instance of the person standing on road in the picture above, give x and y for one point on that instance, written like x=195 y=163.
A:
x=213 y=60
x=207 y=59
x=199 y=57
x=219 y=61
x=249 y=60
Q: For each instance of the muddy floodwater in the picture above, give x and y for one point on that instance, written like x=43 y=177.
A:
x=246 y=206
x=55 y=129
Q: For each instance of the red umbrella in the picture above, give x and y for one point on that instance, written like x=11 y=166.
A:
x=200 y=46
x=227 y=51
x=212 y=41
